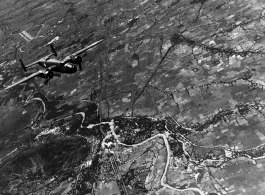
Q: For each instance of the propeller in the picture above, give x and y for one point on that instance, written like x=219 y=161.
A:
x=48 y=75
x=46 y=81
x=80 y=66
x=77 y=60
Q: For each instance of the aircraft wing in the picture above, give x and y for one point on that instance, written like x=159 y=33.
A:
x=84 y=49
x=25 y=79
x=37 y=61
x=32 y=64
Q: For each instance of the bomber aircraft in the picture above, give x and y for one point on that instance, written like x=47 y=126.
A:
x=53 y=67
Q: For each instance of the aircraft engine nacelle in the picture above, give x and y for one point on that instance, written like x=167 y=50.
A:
x=47 y=74
x=68 y=68
x=77 y=60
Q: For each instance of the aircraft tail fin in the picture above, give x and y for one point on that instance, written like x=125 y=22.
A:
x=53 y=50
x=22 y=65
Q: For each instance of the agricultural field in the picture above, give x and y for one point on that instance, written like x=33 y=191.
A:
x=171 y=102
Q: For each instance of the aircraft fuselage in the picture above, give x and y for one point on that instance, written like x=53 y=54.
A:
x=58 y=66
